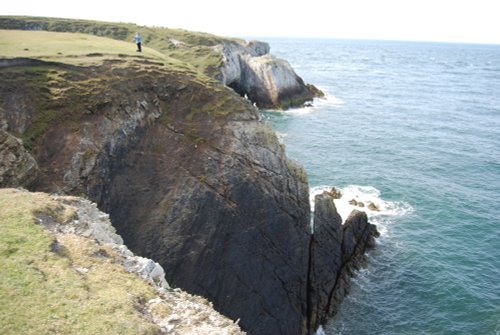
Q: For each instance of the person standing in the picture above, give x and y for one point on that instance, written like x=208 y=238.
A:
x=138 y=41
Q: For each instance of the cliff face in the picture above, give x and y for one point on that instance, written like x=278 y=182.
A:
x=190 y=177
x=17 y=166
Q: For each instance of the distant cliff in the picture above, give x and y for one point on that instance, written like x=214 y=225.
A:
x=189 y=174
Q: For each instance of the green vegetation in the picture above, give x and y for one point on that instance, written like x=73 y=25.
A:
x=68 y=48
x=85 y=61
x=51 y=286
x=194 y=48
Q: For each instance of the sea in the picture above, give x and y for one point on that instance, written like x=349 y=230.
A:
x=413 y=127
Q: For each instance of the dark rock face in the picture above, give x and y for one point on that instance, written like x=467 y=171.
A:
x=336 y=251
x=326 y=258
x=227 y=221
x=190 y=177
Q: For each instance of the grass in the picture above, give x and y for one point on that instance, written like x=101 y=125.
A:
x=42 y=287
x=194 y=48
x=68 y=48
x=52 y=86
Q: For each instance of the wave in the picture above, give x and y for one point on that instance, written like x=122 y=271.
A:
x=381 y=213
x=318 y=104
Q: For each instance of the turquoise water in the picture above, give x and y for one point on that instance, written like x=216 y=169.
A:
x=415 y=127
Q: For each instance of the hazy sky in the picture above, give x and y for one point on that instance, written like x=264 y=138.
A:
x=428 y=20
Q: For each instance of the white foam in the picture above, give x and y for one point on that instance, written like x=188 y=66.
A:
x=387 y=210
x=317 y=104
x=281 y=136
x=320 y=331
x=330 y=100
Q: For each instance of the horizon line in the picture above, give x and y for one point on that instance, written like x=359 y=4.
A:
x=277 y=36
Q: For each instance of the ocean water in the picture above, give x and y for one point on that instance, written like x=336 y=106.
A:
x=415 y=129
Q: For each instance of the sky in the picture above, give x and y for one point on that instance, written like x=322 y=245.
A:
x=467 y=21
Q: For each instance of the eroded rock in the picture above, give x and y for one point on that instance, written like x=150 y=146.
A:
x=268 y=81
x=336 y=251
x=17 y=167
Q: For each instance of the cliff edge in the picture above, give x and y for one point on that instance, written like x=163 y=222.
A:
x=66 y=271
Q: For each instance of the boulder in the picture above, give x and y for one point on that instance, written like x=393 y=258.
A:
x=371 y=206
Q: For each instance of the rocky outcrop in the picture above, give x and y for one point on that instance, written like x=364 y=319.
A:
x=227 y=218
x=90 y=223
x=175 y=311
x=268 y=81
x=336 y=251
x=17 y=167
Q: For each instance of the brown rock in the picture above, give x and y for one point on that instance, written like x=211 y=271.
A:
x=373 y=207
x=335 y=193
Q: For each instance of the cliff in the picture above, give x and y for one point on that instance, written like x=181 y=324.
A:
x=66 y=271
x=188 y=173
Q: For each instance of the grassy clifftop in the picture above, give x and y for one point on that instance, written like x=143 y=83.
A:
x=68 y=48
x=79 y=71
x=189 y=47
